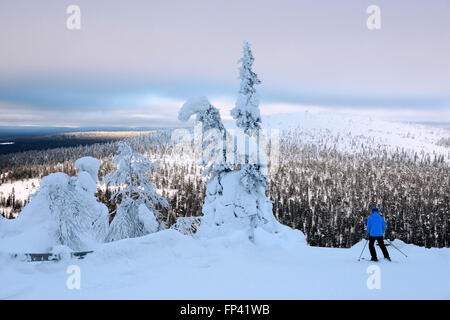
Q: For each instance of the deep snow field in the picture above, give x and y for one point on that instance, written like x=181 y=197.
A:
x=169 y=265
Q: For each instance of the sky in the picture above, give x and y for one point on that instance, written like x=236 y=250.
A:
x=134 y=63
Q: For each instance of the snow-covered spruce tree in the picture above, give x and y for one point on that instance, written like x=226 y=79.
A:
x=253 y=201
x=246 y=112
x=135 y=215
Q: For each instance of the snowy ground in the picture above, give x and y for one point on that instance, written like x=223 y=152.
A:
x=22 y=188
x=168 y=265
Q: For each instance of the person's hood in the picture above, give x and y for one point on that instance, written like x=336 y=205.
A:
x=375 y=214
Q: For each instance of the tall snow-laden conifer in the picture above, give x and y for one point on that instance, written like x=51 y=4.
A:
x=258 y=208
x=246 y=112
x=135 y=215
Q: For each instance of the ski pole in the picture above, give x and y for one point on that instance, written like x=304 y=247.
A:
x=363 y=250
x=396 y=248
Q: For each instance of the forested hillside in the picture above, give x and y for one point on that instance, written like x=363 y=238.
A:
x=320 y=188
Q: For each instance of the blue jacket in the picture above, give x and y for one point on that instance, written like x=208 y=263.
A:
x=376 y=225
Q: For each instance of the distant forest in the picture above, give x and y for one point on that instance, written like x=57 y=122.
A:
x=321 y=190
x=61 y=140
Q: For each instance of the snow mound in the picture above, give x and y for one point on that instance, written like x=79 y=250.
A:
x=58 y=179
x=90 y=165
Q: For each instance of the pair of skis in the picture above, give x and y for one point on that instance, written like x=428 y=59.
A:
x=390 y=243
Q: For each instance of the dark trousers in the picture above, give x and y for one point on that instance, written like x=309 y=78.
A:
x=373 y=253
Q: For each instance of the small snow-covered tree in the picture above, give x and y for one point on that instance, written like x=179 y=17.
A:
x=135 y=215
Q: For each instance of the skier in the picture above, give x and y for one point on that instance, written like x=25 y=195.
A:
x=375 y=228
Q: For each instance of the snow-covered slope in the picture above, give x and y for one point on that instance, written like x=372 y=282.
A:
x=168 y=265
x=347 y=132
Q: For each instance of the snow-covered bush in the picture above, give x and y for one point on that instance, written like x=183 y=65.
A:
x=135 y=215
x=64 y=211
x=187 y=225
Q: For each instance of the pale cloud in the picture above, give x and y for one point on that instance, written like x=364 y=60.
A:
x=159 y=111
x=135 y=62
x=20 y=115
